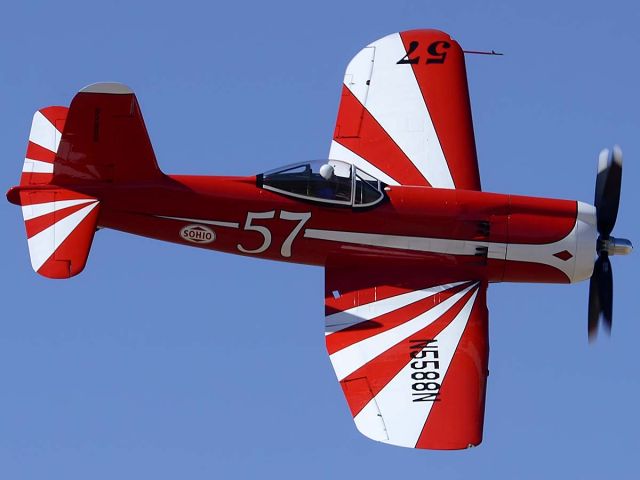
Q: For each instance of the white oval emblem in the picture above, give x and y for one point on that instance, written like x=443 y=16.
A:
x=197 y=234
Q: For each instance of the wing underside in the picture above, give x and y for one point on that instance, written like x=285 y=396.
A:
x=405 y=115
x=410 y=351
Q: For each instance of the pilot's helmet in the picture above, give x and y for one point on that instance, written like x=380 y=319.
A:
x=326 y=171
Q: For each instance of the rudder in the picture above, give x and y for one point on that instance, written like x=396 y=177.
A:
x=105 y=139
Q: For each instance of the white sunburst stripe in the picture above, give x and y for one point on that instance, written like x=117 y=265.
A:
x=347 y=318
x=353 y=357
x=404 y=420
x=357 y=77
x=36 y=166
x=394 y=99
x=38 y=209
x=405 y=242
x=340 y=152
x=44 y=133
x=45 y=243
x=522 y=252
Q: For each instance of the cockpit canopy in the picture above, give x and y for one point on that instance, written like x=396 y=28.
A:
x=327 y=181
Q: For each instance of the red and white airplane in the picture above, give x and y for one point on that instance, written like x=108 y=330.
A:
x=397 y=218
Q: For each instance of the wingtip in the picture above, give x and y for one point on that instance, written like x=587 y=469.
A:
x=107 y=87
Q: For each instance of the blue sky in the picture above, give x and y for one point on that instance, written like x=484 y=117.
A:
x=161 y=361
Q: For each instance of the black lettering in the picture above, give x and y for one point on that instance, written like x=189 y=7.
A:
x=437 y=56
x=432 y=375
x=425 y=397
x=423 y=354
x=421 y=344
x=436 y=53
x=406 y=60
x=418 y=354
x=425 y=372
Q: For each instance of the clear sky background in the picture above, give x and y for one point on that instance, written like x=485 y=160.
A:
x=161 y=361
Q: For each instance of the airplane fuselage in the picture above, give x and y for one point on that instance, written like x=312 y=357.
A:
x=499 y=237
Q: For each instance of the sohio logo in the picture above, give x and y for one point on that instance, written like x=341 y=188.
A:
x=197 y=234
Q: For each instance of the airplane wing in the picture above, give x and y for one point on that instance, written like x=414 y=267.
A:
x=410 y=350
x=405 y=115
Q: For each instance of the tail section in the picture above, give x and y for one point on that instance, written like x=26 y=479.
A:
x=101 y=139
x=105 y=140
x=44 y=138
x=60 y=225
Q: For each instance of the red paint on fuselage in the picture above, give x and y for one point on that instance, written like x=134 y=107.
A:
x=459 y=215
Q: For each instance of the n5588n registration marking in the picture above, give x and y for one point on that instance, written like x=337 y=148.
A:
x=425 y=370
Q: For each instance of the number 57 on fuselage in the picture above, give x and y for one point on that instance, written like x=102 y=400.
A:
x=397 y=218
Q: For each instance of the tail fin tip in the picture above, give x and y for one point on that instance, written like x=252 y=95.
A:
x=107 y=87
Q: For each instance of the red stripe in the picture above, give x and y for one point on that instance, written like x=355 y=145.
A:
x=360 y=297
x=28 y=178
x=344 y=338
x=359 y=282
x=38 y=152
x=372 y=142
x=446 y=94
x=56 y=115
x=456 y=420
x=38 y=224
x=382 y=369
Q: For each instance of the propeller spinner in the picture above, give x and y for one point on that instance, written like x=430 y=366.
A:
x=607 y=199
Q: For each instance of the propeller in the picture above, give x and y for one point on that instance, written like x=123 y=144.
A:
x=607 y=199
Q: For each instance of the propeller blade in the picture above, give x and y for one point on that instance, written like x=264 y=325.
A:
x=600 y=296
x=605 y=290
x=594 y=307
x=607 y=195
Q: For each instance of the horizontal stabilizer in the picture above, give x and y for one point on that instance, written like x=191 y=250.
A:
x=60 y=225
x=44 y=139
